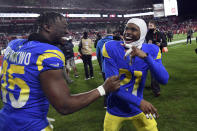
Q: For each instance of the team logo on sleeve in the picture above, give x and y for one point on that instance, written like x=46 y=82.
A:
x=55 y=65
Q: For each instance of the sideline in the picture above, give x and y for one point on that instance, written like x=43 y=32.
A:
x=170 y=43
x=77 y=61
x=179 y=41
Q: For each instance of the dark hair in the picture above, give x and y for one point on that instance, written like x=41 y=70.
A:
x=152 y=22
x=47 y=18
x=116 y=35
x=85 y=35
x=98 y=35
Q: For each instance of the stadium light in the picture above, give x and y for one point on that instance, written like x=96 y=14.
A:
x=36 y=15
x=19 y=15
x=105 y=15
x=112 y=15
x=139 y=14
x=74 y=15
x=82 y=15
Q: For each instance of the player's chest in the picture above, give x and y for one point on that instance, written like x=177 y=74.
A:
x=133 y=64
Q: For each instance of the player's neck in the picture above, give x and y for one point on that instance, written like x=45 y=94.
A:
x=38 y=37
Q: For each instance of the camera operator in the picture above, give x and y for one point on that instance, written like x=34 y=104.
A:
x=154 y=36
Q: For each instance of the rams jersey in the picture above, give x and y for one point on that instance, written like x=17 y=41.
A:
x=25 y=104
x=126 y=101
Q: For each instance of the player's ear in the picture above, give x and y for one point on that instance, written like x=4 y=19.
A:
x=47 y=27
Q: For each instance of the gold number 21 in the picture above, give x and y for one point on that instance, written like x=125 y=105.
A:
x=127 y=79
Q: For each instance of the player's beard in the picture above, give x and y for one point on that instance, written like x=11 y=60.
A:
x=56 y=42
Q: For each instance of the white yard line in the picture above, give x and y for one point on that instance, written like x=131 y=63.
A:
x=179 y=41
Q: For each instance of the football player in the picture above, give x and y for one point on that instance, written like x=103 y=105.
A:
x=32 y=77
x=127 y=103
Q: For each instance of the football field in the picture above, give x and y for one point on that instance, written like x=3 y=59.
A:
x=176 y=106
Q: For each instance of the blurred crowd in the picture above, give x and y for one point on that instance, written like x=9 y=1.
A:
x=94 y=32
x=169 y=26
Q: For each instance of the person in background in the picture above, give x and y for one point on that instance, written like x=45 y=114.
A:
x=95 y=46
x=189 y=35
x=61 y=46
x=169 y=35
x=67 y=49
x=154 y=36
x=111 y=35
x=98 y=37
x=85 y=49
x=196 y=39
x=99 y=47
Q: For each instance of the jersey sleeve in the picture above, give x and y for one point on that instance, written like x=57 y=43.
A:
x=154 y=51
x=128 y=97
x=51 y=60
x=155 y=64
x=110 y=66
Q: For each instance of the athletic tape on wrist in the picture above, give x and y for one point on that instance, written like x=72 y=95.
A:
x=101 y=90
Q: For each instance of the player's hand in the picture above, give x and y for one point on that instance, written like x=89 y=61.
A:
x=138 y=52
x=148 y=109
x=111 y=84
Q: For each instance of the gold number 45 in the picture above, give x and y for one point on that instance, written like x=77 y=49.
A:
x=11 y=82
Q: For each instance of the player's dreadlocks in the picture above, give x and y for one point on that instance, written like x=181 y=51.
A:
x=47 y=18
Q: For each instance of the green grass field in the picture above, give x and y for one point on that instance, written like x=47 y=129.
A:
x=182 y=36
x=176 y=106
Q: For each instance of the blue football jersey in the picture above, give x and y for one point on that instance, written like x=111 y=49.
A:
x=126 y=101
x=25 y=104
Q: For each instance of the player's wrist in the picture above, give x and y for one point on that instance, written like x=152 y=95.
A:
x=145 y=55
x=101 y=90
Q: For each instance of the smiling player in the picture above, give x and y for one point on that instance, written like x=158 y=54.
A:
x=127 y=103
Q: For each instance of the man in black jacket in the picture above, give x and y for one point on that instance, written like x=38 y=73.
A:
x=189 y=35
x=156 y=37
x=67 y=48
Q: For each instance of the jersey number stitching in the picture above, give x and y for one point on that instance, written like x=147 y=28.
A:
x=128 y=77
x=12 y=83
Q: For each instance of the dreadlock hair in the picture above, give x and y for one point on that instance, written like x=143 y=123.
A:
x=47 y=18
